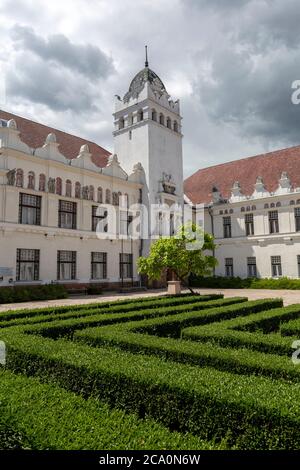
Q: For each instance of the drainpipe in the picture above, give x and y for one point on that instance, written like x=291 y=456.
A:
x=210 y=211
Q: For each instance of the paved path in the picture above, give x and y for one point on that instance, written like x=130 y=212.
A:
x=289 y=297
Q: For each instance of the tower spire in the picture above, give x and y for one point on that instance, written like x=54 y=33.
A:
x=146 y=52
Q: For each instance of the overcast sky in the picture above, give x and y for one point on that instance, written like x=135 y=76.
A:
x=231 y=63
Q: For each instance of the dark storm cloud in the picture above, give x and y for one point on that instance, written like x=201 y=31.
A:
x=252 y=71
x=86 y=59
x=55 y=72
x=38 y=82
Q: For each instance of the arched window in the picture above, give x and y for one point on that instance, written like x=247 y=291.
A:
x=292 y=203
x=31 y=180
x=298 y=201
x=248 y=208
x=169 y=124
x=154 y=115
x=19 y=178
x=266 y=206
x=242 y=209
x=272 y=204
x=119 y=197
x=91 y=192
x=253 y=208
x=68 y=188
x=175 y=126
x=77 y=190
x=115 y=199
x=226 y=211
x=140 y=115
x=231 y=211
x=58 y=186
x=99 y=195
x=130 y=120
x=42 y=182
x=107 y=196
x=278 y=204
x=162 y=119
x=221 y=212
x=121 y=123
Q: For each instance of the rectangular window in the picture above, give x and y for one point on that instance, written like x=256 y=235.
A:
x=276 y=266
x=273 y=222
x=229 y=267
x=249 y=224
x=126 y=265
x=227 y=227
x=297 y=219
x=67 y=214
x=66 y=265
x=98 y=265
x=29 y=209
x=125 y=221
x=99 y=214
x=251 y=266
x=28 y=264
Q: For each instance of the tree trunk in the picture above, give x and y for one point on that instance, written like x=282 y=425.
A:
x=186 y=285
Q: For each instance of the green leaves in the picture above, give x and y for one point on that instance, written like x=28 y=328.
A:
x=177 y=255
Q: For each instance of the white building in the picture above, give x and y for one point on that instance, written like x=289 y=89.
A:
x=52 y=184
x=252 y=206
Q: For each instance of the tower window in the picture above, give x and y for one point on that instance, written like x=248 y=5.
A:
x=168 y=123
x=273 y=222
x=130 y=135
x=227 y=227
x=140 y=115
x=154 y=115
x=175 y=127
x=276 y=266
x=121 y=123
x=229 y=267
x=161 y=119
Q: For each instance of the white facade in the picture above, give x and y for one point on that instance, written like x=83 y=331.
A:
x=261 y=230
x=45 y=173
x=47 y=200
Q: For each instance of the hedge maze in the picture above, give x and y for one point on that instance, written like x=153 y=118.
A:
x=184 y=372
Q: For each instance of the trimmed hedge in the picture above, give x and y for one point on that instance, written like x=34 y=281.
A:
x=110 y=306
x=291 y=328
x=220 y=282
x=204 y=401
x=249 y=332
x=58 y=328
x=40 y=416
x=240 y=361
x=23 y=294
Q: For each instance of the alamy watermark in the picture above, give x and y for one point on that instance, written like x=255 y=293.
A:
x=2 y=353
x=140 y=222
x=296 y=354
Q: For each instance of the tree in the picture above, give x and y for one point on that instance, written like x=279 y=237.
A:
x=183 y=254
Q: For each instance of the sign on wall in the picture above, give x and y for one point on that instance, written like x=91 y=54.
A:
x=6 y=272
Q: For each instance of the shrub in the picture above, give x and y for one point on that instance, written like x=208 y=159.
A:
x=203 y=401
x=220 y=282
x=46 y=417
x=24 y=294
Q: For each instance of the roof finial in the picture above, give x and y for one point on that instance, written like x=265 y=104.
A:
x=146 y=61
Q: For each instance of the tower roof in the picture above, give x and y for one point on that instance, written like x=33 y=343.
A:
x=138 y=82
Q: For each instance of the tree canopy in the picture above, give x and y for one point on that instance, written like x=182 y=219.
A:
x=185 y=253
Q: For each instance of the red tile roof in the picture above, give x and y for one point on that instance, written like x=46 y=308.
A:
x=34 y=135
x=198 y=187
